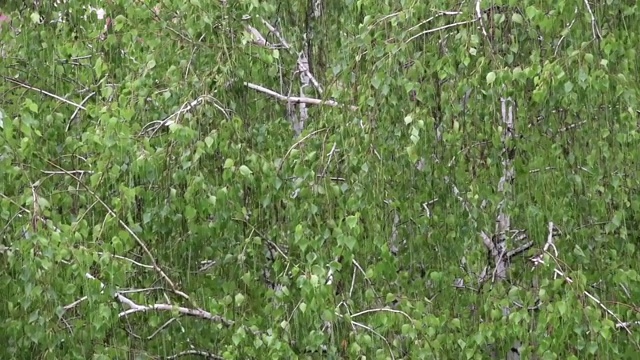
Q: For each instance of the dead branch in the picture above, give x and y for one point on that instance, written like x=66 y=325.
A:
x=295 y=99
x=128 y=229
x=27 y=86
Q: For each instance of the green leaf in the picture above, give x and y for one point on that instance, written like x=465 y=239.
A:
x=412 y=152
x=562 y=307
x=245 y=171
x=455 y=323
x=119 y=22
x=239 y=299
x=98 y=66
x=35 y=18
x=32 y=106
x=568 y=86
x=208 y=141
x=352 y=221
x=228 y=163
x=491 y=77
x=349 y=242
x=435 y=276
x=517 y=18
x=462 y=344
x=376 y=82
x=531 y=12
x=190 y=212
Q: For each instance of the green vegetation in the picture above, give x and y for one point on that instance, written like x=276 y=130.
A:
x=320 y=180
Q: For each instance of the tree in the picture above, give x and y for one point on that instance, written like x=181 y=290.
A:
x=316 y=179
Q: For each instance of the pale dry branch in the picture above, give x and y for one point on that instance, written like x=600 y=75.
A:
x=411 y=29
x=444 y=27
x=594 y=26
x=438 y=14
x=302 y=66
x=426 y=205
x=572 y=126
x=126 y=259
x=539 y=260
x=297 y=143
x=27 y=86
x=204 y=354
x=153 y=127
x=628 y=324
x=353 y=282
x=75 y=113
x=384 y=18
x=448 y=12
x=479 y=17
x=566 y=31
x=329 y=279
x=258 y=39
x=275 y=32
x=360 y=325
x=482 y=26
x=533 y=171
x=161 y=327
x=206 y=265
x=456 y=193
x=370 y=311
x=77 y=302
x=80 y=172
x=131 y=232
x=294 y=99
x=330 y=155
x=135 y=291
x=199 y=313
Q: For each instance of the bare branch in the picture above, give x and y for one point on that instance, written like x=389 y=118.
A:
x=594 y=26
x=440 y=29
x=128 y=229
x=26 y=86
x=204 y=354
x=295 y=99
x=153 y=127
x=75 y=113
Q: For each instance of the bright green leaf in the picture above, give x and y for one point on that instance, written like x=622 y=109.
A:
x=491 y=77
x=245 y=171
x=516 y=18
x=352 y=221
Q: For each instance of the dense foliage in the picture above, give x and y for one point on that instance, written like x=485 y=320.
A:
x=319 y=179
